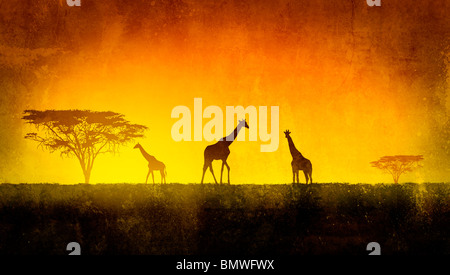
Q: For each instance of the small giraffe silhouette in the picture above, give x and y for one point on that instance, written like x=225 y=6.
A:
x=153 y=164
x=220 y=151
x=299 y=162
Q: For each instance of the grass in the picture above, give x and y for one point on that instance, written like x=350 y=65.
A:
x=194 y=219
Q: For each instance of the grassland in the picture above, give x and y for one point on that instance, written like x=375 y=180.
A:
x=192 y=219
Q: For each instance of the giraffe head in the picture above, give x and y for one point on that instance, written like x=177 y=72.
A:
x=243 y=123
x=287 y=133
x=137 y=146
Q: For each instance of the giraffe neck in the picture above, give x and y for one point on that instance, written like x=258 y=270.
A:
x=146 y=155
x=294 y=152
x=231 y=137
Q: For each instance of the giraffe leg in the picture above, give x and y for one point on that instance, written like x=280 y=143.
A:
x=153 y=177
x=228 y=168
x=306 y=176
x=297 y=173
x=165 y=174
x=148 y=174
x=162 y=176
x=212 y=172
x=205 y=166
x=221 y=171
x=293 y=174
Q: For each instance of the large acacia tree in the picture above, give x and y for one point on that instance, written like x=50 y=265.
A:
x=81 y=133
x=397 y=165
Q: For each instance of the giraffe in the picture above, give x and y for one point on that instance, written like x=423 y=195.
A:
x=220 y=151
x=153 y=164
x=299 y=162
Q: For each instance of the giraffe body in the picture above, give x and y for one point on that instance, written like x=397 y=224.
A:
x=220 y=151
x=299 y=162
x=153 y=165
x=301 y=165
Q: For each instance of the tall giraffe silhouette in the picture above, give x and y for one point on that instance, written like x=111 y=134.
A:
x=220 y=151
x=153 y=164
x=299 y=162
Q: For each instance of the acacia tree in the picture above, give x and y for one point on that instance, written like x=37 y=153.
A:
x=81 y=133
x=397 y=165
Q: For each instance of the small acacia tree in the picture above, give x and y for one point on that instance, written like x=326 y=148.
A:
x=397 y=165
x=81 y=133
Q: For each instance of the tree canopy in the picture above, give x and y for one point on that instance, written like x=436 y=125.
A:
x=397 y=165
x=81 y=133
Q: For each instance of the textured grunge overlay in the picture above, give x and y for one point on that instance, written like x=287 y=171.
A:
x=353 y=82
x=334 y=88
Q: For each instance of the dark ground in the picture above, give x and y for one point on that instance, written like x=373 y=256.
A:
x=232 y=220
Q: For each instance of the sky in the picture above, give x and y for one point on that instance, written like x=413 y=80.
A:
x=352 y=83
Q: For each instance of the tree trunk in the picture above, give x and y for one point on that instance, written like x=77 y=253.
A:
x=87 y=175
x=396 y=177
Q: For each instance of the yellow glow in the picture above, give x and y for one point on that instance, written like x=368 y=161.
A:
x=339 y=131
x=343 y=103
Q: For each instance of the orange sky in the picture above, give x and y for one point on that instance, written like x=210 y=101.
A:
x=352 y=84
